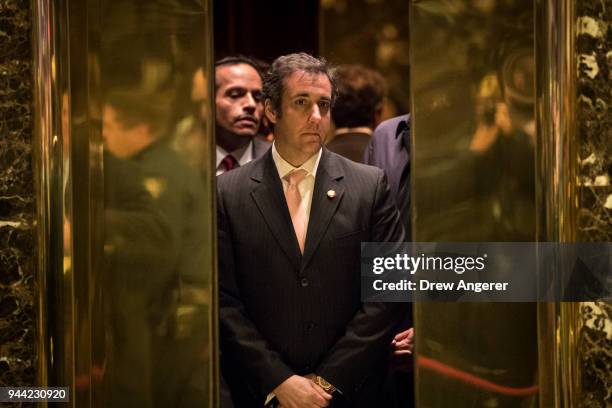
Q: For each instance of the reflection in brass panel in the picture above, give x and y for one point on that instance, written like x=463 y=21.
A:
x=154 y=295
x=473 y=121
x=374 y=34
x=473 y=173
x=127 y=254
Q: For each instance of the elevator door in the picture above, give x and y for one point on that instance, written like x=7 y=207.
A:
x=155 y=297
x=129 y=302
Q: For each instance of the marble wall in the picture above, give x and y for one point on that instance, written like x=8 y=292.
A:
x=594 y=49
x=17 y=199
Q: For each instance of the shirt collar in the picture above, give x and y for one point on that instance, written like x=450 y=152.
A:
x=361 y=129
x=284 y=167
x=243 y=155
x=403 y=128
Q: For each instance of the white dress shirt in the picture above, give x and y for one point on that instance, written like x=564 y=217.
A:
x=306 y=186
x=242 y=155
x=361 y=129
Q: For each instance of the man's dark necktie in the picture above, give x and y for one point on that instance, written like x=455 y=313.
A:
x=230 y=162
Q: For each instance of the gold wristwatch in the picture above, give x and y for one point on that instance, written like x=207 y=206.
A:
x=321 y=382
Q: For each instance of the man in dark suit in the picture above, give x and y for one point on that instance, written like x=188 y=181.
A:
x=238 y=114
x=389 y=149
x=357 y=110
x=293 y=329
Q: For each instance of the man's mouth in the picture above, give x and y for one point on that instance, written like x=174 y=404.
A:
x=247 y=119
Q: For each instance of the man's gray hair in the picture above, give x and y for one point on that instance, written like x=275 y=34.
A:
x=286 y=65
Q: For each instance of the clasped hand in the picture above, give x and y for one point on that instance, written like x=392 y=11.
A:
x=301 y=392
x=403 y=347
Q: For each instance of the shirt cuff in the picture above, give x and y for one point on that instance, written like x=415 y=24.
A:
x=269 y=399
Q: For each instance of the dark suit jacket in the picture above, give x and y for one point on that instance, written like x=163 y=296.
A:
x=282 y=313
x=350 y=145
x=260 y=147
x=389 y=149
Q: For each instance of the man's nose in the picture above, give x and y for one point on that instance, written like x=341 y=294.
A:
x=315 y=116
x=250 y=103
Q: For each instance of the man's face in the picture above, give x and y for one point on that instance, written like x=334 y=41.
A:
x=122 y=141
x=302 y=125
x=238 y=99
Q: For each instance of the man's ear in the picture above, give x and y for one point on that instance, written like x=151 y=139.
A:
x=269 y=111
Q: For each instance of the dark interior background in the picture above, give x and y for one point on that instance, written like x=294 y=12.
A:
x=265 y=29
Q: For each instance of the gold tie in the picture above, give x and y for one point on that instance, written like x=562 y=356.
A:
x=296 y=210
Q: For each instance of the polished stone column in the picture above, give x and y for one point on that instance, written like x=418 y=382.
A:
x=18 y=287
x=573 y=50
x=594 y=122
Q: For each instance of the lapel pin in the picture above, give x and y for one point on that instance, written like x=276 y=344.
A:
x=331 y=193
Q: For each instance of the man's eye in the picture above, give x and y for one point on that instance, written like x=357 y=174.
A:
x=236 y=93
x=258 y=96
x=324 y=106
x=301 y=102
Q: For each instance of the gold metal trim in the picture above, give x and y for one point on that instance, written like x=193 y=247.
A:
x=41 y=69
x=556 y=193
x=555 y=107
x=87 y=210
x=54 y=193
x=210 y=182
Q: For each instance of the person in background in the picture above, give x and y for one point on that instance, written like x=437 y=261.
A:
x=239 y=111
x=357 y=109
x=389 y=149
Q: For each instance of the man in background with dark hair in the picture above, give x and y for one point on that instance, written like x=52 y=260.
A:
x=357 y=109
x=239 y=111
x=293 y=329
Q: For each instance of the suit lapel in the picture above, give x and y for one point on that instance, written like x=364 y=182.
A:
x=269 y=197
x=323 y=207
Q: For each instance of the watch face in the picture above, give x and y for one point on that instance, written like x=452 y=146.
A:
x=324 y=384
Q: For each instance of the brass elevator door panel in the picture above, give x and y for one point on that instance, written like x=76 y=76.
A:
x=134 y=309
x=473 y=179
x=153 y=315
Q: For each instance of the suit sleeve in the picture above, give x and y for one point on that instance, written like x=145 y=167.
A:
x=241 y=341
x=367 y=339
